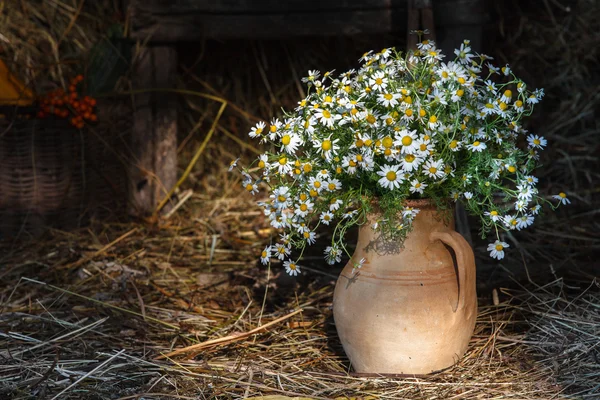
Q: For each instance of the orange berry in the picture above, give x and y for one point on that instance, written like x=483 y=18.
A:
x=92 y=102
x=79 y=78
x=72 y=88
x=41 y=114
x=64 y=113
x=75 y=104
x=93 y=117
x=87 y=115
x=73 y=121
x=80 y=125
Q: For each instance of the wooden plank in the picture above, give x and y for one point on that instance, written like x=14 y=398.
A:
x=194 y=20
x=154 y=136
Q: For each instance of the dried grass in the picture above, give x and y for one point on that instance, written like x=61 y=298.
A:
x=95 y=313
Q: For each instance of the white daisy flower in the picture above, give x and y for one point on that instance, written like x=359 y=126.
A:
x=536 y=141
x=409 y=213
x=326 y=217
x=251 y=187
x=257 y=130
x=233 y=164
x=315 y=183
x=326 y=117
x=310 y=237
x=263 y=162
x=327 y=147
x=493 y=215
x=313 y=75
x=510 y=221
x=496 y=249
x=535 y=210
x=407 y=141
x=506 y=70
x=359 y=264
x=323 y=174
x=378 y=81
x=304 y=208
x=290 y=142
x=532 y=99
x=410 y=162
x=390 y=177
x=333 y=185
x=333 y=254
x=434 y=169
x=417 y=187
x=388 y=99
x=468 y=195
x=281 y=196
x=506 y=96
x=477 y=146
x=335 y=205
x=349 y=214
x=291 y=268
x=265 y=255
x=562 y=198
x=455 y=145
x=525 y=221
x=283 y=166
x=281 y=250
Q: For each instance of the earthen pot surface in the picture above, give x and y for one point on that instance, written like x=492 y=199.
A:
x=409 y=309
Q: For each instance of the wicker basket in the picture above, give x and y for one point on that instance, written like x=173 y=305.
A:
x=53 y=175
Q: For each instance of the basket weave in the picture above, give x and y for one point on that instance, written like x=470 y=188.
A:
x=54 y=175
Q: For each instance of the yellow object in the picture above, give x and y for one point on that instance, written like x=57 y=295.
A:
x=12 y=90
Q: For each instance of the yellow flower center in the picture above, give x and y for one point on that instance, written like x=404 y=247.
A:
x=494 y=212
x=328 y=99
x=281 y=198
x=387 y=152
x=489 y=105
x=433 y=170
x=391 y=176
x=359 y=157
x=368 y=142
x=387 y=142
x=518 y=103
x=354 y=111
x=422 y=112
x=408 y=112
x=423 y=147
x=352 y=163
x=331 y=186
x=326 y=145
x=259 y=131
x=326 y=114
x=249 y=187
x=307 y=168
x=303 y=207
x=499 y=247
x=507 y=94
x=388 y=96
x=303 y=197
x=476 y=143
x=378 y=81
x=408 y=100
x=433 y=119
x=317 y=184
x=406 y=141
x=389 y=121
x=444 y=74
x=371 y=119
x=453 y=144
x=326 y=217
x=460 y=92
x=503 y=106
x=418 y=185
x=263 y=254
x=261 y=164
x=313 y=193
x=563 y=195
x=536 y=141
x=512 y=169
x=286 y=140
x=359 y=143
x=409 y=158
x=461 y=80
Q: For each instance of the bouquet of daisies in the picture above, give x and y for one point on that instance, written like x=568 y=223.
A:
x=402 y=126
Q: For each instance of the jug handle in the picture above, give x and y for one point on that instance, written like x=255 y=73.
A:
x=466 y=264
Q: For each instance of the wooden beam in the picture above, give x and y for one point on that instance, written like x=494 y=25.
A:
x=154 y=136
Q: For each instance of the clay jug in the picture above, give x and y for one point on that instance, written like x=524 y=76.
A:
x=411 y=308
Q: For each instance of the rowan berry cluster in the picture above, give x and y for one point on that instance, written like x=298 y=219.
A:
x=69 y=105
